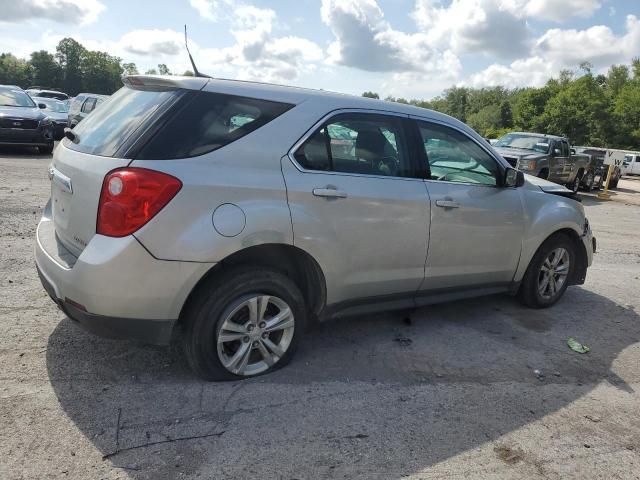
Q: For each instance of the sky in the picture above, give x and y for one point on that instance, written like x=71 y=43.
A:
x=403 y=48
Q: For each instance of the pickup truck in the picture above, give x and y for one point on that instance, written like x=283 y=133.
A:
x=545 y=156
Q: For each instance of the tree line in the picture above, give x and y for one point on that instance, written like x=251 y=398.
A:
x=591 y=109
x=600 y=110
x=72 y=69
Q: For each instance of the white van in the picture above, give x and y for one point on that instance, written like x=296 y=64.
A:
x=631 y=164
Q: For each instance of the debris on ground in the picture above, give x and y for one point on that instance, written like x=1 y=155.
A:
x=593 y=418
x=539 y=375
x=403 y=341
x=576 y=346
x=509 y=455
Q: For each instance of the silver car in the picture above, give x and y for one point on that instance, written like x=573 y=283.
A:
x=242 y=212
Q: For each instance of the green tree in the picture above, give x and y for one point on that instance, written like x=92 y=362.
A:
x=187 y=73
x=151 y=71
x=129 y=69
x=15 y=71
x=370 y=95
x=627 y=113
x=617 y=78
x=163 y=69
x=69 y=54
x=46 y=71
x=101 y=72
x=580 y=111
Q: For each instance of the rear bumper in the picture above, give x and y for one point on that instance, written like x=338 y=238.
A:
x=156 y=332
x=115 y=288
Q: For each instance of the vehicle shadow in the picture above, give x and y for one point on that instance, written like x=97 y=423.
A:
x=366 y=397
x=9 y=151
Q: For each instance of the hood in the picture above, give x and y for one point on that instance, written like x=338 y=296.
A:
x=518 y=152
x=57 y=116
x=25 y=113
x=550 y=187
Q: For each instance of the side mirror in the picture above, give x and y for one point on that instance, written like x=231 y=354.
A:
x=42 y=106
x=573 y=151
x=513 y=178
x=557 y=152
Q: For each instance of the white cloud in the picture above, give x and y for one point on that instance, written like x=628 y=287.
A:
x=597 y=44
x=153 y=42
x=559 y=49
x=476 y=26
x=365 y=40
x=559 y=10
x=257 y=53
x=213 y=9
x=81 y=12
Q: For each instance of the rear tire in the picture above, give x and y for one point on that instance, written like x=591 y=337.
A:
x=588 y=182
x=46 y=150
x=534 y=293
x=241 y=303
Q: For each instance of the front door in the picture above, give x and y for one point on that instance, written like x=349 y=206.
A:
x=358 y=207
x=477 y=226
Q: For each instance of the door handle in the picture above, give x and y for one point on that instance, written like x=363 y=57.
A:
x=329 y=193
x=447 y=204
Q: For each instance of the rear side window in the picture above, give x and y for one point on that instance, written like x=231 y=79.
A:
x=207 y=122
x=110 y=126
x=367 y=144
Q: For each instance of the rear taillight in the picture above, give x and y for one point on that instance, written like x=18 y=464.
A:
x=130 y=197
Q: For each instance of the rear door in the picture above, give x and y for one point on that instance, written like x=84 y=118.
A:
x=78 y=169
x=477 y=226
x=358 y=207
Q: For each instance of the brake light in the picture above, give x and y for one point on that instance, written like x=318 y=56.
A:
x=130 y=197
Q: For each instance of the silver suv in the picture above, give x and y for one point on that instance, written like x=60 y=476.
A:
x=243 y=212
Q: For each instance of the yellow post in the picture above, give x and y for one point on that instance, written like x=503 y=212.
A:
x=605 y=195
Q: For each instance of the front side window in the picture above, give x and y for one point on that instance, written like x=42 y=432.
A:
x=358 y=143
x=88 y=105
x=454 y=157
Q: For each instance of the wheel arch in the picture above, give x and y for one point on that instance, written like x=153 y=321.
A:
x=292 y=261
x=579 y=273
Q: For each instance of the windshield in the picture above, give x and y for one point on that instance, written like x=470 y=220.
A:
x=526 y=142
x=54 y=105
x=107 y=128
x=10 y=97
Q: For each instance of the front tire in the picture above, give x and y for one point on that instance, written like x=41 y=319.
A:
x=575 y=185
x=549 y=272
x=46 y=150
x=245 y=324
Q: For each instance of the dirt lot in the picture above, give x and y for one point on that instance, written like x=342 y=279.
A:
x=452 y=394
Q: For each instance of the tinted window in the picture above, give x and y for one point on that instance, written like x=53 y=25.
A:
x=104 y=131
x=207 y=122
x=454 y=157
x=358 y=143
x=11 y=97
x=88 y=105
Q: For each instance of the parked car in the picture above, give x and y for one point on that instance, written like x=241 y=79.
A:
x=82 y=105
x=58 y=112
x=545 y=156
x=43 y=93
x=22 y=122
x=632 y=163
x=600 y=170
x=164 y=212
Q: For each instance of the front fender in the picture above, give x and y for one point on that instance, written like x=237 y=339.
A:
x=545 y=214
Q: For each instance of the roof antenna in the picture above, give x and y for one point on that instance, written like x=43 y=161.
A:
x=193 y=64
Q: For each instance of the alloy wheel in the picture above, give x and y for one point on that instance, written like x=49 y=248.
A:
x=255 y=334
x=554 y=273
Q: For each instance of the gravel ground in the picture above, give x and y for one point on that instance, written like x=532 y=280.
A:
x=453 y=393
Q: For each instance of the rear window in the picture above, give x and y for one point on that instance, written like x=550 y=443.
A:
x=208 y=121
x=110 y=126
